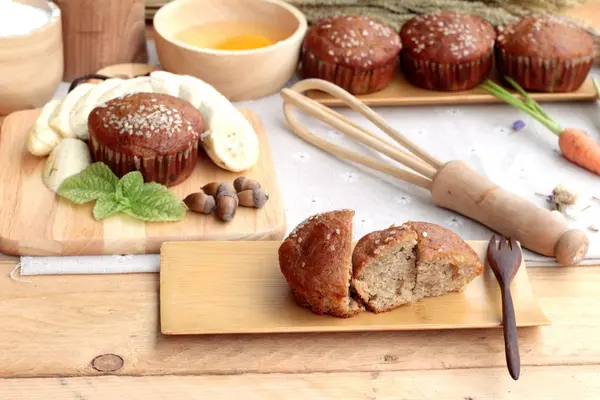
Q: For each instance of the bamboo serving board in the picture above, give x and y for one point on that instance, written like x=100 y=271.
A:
x=237 y=287
x=400 y=92
x=34 y=221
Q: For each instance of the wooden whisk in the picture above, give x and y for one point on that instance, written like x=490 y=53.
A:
x=453 y=185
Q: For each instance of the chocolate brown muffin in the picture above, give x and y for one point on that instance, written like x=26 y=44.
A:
x=447 y=51
x=358 y=54
x=156 y=134
x=544 y=53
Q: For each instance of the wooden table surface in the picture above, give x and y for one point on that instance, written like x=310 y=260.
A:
x=97 y=337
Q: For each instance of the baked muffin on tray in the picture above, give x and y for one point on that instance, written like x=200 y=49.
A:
x=543 y=53
x=358 y=54
x=447 y=51
x=156 y=134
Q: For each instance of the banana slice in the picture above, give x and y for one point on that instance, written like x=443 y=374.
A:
x=85 y=105
x=62 y=121
x=135 y=85
x=230 y=142
x=42 y=138
x=165 y=83
x=69 y=157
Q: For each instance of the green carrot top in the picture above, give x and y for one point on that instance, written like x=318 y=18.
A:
x=527 y=105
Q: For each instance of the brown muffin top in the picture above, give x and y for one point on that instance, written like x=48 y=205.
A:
x=438 y=243
x=146 y=124
x=372 y=244
x=546 y=37
x=447 y=37
x=315 y=257
x=352 y=41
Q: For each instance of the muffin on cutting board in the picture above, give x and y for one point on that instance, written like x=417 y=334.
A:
x=544 y=53
x=156 y=134
x=447 y=51
x=386 y=269
x=359 y=54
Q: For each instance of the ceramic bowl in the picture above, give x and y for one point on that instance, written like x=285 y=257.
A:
x=237 y=74
x=31 y=65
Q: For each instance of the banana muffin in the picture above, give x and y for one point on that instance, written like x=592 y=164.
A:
x=155 y=134
x=359 y=54
x=544 y=53
x=447 y=51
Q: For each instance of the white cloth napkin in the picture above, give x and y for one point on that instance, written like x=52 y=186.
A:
x=311 y=181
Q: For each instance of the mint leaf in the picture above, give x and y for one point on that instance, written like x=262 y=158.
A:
x=106 y=206
x=156 y=203
x=90 y=184
x=131 y=185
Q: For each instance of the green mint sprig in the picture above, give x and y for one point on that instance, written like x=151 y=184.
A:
x=129 y=195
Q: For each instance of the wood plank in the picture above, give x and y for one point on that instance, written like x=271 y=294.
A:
x=56 y=326
x=69 y=229
x=400 y=92
x=248 y=294
x=548 y=383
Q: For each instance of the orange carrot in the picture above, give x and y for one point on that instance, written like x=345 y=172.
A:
x=579 y=147
x=576 y=145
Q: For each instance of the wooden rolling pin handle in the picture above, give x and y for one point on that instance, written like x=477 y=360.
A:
x=459 y=188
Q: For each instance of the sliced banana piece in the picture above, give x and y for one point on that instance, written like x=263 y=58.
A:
x=231 y=143
x=69 y=157
x=62 y=121
x=230 y=140
x=165 y=83
x=85 y=105
x=42 y=138
x=135 y=85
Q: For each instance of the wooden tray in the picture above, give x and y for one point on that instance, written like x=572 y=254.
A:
x=237 y=287
x=402 y=93
x=34 y=221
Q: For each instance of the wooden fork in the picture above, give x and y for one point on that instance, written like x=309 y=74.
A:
x=505 y=259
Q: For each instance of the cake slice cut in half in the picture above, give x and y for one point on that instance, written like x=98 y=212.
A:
x=315 y=259
x=404 y=264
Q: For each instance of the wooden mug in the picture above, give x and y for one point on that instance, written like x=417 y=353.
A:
x=101 y=33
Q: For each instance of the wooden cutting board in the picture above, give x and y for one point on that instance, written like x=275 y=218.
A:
x=34 y=221
x=401 y=92
x=237 y=287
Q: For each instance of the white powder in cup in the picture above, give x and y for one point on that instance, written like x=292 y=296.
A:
x=20 y=19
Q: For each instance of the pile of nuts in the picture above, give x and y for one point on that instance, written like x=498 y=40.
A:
x=225 y=199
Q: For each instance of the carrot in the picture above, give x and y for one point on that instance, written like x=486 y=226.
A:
x=575 y=144
x=579 y=147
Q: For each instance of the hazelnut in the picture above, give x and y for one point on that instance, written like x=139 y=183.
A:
x=224 y=187
x=255 y=198
x=227 y=204
x=242 y=183
x=200 y=202
x=211 y=188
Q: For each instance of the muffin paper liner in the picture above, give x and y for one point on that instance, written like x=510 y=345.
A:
x=354 y=80
x=168 y=170
x=543 y=75
x=446 y=77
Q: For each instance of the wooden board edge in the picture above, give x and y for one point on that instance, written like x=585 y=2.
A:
x=470 y=97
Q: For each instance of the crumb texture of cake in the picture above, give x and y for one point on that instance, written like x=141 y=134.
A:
x=544 y=53
x=315 y=259
x=156 y=134
x=404 y=264
x=357 y=53
x=447 y=51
